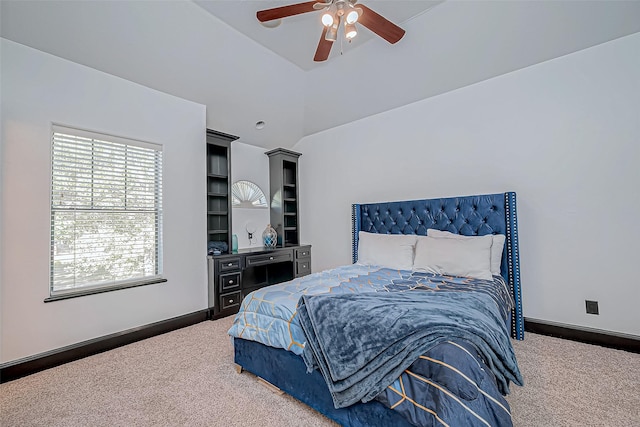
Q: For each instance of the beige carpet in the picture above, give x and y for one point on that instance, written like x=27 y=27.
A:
x=187 y=378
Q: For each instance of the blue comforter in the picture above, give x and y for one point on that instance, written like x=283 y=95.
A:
x=269 y=315
x=363 y=342
x=451 y=383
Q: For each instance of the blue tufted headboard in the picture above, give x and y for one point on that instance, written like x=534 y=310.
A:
x=467 y=215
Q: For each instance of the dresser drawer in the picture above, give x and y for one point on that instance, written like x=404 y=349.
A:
x=280 y=256
x=230 y=300
x=229 y=264
x=303 y=253
x=303 y=267
x=229 y=282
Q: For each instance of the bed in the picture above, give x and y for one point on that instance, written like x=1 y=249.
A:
x=298 y=336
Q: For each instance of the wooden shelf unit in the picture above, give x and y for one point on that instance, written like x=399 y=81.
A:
x=284 y=191
x=219 y=186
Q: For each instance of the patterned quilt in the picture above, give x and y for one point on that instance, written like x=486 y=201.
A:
x=268 y=315
x=451 y=384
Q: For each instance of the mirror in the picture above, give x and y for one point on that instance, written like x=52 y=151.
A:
x=246 y=194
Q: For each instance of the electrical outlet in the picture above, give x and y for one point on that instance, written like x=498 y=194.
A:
x=592 y=307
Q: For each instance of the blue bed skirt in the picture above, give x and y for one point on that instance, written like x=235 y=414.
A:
x=288 y=372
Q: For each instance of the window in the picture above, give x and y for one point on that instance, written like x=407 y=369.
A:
x=246 y=194
x=106 y=213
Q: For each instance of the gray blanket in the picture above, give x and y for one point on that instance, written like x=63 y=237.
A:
x=362 y=342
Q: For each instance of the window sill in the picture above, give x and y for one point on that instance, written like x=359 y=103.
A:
x=82 y=293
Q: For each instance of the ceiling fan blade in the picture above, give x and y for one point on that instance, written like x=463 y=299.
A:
x=380 y=25
x=324 y=47
x=285 y=11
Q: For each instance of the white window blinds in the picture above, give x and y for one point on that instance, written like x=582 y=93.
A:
x=106 y=211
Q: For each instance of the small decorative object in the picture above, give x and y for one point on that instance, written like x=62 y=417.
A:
x=251 y=230
x=215 y=247
x=234 y=243
x=269 y=237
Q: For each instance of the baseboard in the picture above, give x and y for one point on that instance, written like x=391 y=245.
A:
x=19 y=368
x=220 y=316
x=29 y=365
x=585 y=335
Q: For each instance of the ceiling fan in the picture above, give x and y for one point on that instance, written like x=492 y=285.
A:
x=337 y=11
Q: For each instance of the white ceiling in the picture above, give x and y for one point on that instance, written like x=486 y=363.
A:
x=216 y=53
x=296 y=37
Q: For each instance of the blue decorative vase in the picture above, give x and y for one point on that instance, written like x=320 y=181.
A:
x=269 y=237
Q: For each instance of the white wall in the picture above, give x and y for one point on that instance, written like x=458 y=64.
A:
x=562 y=134
x=249 y=163
x=176 y=47
x=38 y=89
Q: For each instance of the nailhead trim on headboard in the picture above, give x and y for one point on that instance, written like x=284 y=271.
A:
x=513 y=257
x=355 y=228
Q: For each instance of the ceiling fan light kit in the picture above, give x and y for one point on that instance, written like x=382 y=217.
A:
x=337 y=11
x=327 y=19
x=350 y=31
x=352 y=16
x=332 y=32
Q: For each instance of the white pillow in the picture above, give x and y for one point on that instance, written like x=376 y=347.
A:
x=455 y=257
x=386 y=250
x=496 y=246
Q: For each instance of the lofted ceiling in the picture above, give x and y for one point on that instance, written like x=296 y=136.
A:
x=216 y=53
x=295 y=38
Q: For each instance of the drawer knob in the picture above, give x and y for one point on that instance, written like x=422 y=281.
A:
x=270 y=257
x=304 y=253
x=304 y=265
x=230 y=301
x=230 y=264
x=231 y=282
